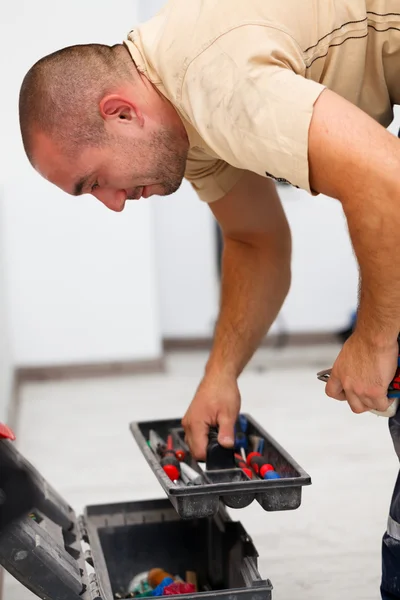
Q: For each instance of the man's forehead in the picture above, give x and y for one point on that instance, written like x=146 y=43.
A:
x=48 y=158
x=57 y=167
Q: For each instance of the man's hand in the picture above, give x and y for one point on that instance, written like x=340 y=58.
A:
x=356 y=160
x=255 y=281
x=362 y=374
x=217 y=402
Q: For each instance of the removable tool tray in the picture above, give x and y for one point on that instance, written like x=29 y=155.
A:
x=230 y=486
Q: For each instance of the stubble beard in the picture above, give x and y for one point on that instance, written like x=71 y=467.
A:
x=170 y=156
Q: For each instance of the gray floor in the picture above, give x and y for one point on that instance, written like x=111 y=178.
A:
x=77 y=434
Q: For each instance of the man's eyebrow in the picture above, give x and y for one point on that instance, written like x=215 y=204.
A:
x=80 y=184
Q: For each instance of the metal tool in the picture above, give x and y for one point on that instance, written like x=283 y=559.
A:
x=190 y=476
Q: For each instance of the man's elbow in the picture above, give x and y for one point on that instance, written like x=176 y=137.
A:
x=275 y=250
x=278 y=249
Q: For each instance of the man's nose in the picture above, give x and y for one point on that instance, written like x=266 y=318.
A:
x=113 y=199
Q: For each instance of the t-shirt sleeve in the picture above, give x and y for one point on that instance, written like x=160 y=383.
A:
x=248 y=97
x=210 y=177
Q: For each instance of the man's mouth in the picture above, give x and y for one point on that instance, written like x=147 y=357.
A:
x=135 y=193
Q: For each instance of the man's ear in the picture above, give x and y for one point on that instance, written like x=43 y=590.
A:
x=115 y=107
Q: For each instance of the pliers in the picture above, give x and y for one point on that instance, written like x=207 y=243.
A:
x=392 y=393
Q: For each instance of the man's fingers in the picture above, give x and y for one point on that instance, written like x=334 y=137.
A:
x=196 y=436
x=334 y=389
x=226 y=433
x=381 y=404
x=356 y=404
x=359 y=400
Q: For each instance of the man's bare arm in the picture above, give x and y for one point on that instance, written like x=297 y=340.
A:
x=255 y=271
x=354 y=159
x=255 y=282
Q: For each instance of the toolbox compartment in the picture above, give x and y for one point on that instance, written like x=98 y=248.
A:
x=127 y=539
x=229 y=486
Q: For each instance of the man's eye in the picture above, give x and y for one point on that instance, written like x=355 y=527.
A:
x=94 y=186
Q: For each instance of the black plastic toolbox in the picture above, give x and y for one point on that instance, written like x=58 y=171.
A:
x=127 y=539
x=230 y=486
x=60 y=556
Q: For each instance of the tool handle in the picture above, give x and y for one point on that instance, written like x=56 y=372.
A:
x=218 y=457
x=177 y=452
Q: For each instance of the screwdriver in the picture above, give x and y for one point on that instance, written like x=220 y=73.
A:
x=157 y=444
x=259 y=465
x=243 y=423
x=241 y=441
x=240 y=463
x=169 y=462
x=179 y=453
x=171 y=467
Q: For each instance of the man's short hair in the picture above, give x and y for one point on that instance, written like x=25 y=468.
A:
x=60 y=95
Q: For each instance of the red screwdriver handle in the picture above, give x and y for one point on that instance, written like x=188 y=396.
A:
x=171 y=467
x=178 y=453
x=259 y=464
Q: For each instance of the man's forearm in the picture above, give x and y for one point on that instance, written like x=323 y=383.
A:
x=374 y=225
x=255 y=282
x=357 y=161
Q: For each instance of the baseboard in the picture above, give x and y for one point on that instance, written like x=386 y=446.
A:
x=270 y=341
x=81 y=371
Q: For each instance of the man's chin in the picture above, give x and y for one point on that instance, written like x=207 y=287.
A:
x=170 y=188
x=159 y=189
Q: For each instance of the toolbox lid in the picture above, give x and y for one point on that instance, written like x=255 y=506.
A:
x=40 y=534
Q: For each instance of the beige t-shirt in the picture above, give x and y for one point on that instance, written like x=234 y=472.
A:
x=244 y=76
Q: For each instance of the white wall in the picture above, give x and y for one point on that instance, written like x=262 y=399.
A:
x=324 y=270
x=325 y=276
x=81 y=280
x=6 y=360
x=185 y=235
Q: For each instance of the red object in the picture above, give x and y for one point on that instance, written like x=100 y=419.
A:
x=265 y=468
x=248 y=472
x=6 y=433
x=240 y=463
x=179 y=454
x=250 y=456
x=396 y=381
x=172 y=472
x=179 y=588
x=258 y=463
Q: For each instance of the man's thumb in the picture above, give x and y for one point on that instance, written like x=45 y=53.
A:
x=226 y=433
